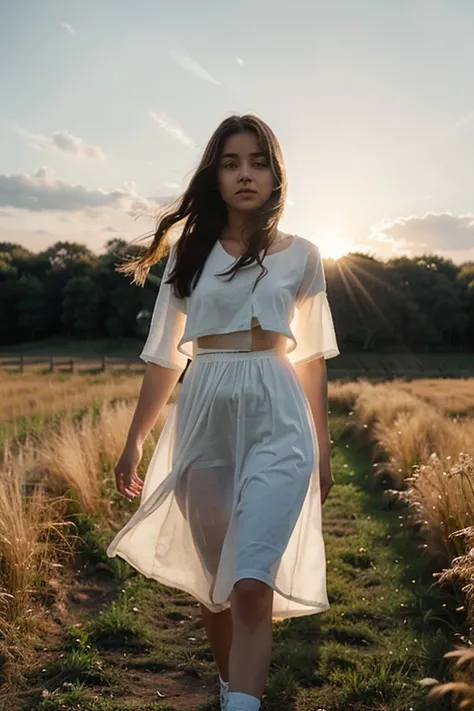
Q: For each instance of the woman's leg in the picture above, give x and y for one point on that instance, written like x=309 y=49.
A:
x=218 y=626
x=251 y=605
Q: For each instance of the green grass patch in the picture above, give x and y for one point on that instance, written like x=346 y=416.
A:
x=119 y=626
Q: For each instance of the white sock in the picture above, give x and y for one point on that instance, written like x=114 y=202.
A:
x=242 y=702
x=224 y=690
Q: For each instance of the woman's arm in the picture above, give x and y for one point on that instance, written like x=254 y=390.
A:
x=313 y=378
x=157 y=385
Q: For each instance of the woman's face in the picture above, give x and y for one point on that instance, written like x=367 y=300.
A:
x=245 y=177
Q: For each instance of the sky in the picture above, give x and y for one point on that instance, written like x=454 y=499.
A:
x=106 y=107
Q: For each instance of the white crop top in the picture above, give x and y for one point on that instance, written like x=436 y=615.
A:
x=290 y=299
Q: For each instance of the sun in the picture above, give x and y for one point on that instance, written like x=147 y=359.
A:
x=333 y=245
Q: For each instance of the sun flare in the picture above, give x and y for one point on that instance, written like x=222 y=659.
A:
x=333 y=245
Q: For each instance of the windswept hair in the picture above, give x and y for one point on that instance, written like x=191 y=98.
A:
x=203 y=213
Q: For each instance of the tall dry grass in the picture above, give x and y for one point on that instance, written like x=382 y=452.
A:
x=448 y=395
x=411 y=439
x=344 y=395
x=384 y=403
x=74 y=463
x=32 y=393
x=462 y=688
x=405 y=429
x=76 y=456
x=427 y=456
x=441 y=496
x=30 y=528
x=462 y=569
x=34 y=544
x=451 y=395
x=70 y=469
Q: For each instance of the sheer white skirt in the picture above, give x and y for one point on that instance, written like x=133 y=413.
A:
x=232 y=490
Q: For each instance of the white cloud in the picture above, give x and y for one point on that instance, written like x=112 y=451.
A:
x=239 y=60
x=432 y=232
x=52 y=209
x=141 y=207
x=44 y=191
x=61 y=142
x=66 y=26
x=184 y=59
x=172 y=128
x=67 y=143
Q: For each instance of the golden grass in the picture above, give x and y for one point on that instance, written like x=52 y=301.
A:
x=385 y=403
x=428 y=456
x=462 y=688
x=28 y=518
x=31 y=393
x=462 y=569
x=73 y=462
x=406 y=429
x=450 y=395
x=344 y=395
x=411 y=439
x=75 y=456
x=441 y=494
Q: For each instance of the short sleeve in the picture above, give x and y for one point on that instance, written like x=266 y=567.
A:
x=313 y=325
x=167 y=326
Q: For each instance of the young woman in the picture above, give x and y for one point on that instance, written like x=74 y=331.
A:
x=230 y=507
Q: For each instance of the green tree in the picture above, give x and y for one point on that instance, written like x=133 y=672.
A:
x=431 y=284
x=30 y=307
x=81 y=307
x=8 y=311
x=65 y=260
x=466 y=280
x=123 y=302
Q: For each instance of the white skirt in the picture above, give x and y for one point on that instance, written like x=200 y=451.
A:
x=232 y=490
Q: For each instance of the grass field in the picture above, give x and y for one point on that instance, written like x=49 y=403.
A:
x=82 y=631
x=116 y=641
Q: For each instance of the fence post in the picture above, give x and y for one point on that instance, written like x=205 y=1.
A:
x=51 y=364
x=22 y=365
x=72 y=365
x=102 y=367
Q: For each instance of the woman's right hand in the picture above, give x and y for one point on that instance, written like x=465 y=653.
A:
x=126 y=478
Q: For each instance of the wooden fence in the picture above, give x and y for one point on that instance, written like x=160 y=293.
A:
x=338 y=369
x=51 y=364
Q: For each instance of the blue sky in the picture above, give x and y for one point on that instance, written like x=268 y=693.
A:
x=106 y=106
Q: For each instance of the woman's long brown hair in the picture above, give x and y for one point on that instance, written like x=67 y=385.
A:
x=204 y=213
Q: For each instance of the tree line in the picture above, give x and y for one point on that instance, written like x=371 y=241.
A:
x=423 y=303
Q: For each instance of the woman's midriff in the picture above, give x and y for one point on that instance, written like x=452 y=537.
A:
x=260 y=340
